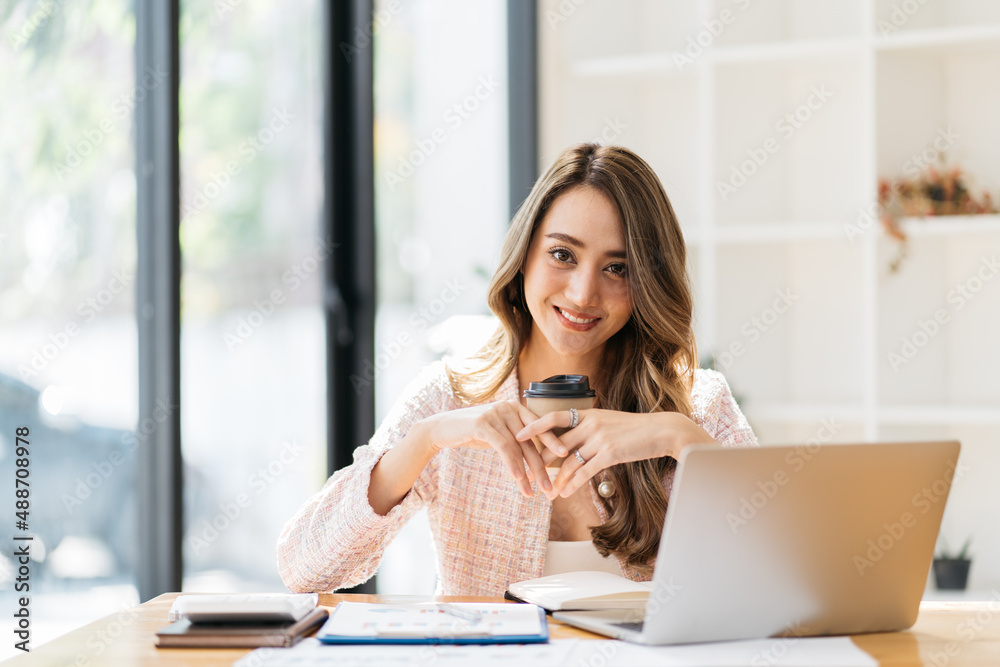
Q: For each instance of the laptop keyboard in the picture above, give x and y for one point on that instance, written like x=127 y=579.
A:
x=635 y=626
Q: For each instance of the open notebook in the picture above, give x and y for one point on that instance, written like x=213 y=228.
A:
x=580 y=591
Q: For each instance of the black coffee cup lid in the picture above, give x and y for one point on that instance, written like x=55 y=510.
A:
x=561 y=386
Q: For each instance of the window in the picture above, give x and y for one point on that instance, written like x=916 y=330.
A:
x=252 y=333
x=68 y=359
x=441 y=206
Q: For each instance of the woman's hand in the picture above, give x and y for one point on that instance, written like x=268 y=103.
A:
x=607 y=437
x=494 y=426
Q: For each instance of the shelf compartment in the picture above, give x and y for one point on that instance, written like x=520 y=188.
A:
x=624 y=27
x=777 y=159
x=806 y=431
x=934 y=315
x=924 y=114
x=779 y=232
x=938 y=414
x=802 y=412
x=677 y=63
x=963 y=38
x=787 y=20
x=817 y=51
x=929 y=16
x=785 y=357
x=657 y=120
x=887 y=415
x=950 y=225
x=631 y=65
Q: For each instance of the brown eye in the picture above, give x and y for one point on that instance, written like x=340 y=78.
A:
x=619 y=270
x=560 y=255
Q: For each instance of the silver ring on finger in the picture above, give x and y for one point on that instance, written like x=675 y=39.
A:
x=574 y=417
x=579 y=457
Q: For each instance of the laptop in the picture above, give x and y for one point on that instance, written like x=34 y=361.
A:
x=791 y=541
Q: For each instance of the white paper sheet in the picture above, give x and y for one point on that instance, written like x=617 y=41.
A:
x=790 y=652
x=310 y=652
x=776 y=652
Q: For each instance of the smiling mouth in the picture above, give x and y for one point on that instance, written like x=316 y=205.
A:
x=574 y=319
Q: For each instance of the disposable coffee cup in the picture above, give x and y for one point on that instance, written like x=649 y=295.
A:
x=559 y=392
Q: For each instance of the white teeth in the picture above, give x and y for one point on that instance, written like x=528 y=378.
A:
x=575 y=320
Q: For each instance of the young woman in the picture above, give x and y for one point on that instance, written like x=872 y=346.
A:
x=592 y=281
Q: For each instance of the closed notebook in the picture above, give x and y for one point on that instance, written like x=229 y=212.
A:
x=185 y=634
x=579 y=591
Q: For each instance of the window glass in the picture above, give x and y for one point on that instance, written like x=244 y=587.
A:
x=441 y=205
x=252 y=340
x=68 y=361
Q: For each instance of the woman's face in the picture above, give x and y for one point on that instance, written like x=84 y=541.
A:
x=576 y=275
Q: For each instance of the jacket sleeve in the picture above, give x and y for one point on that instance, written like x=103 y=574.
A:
x=716 y=411
x=336 y=539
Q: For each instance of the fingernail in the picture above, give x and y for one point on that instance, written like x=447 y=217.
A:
x=546 y=484
x=562 y=451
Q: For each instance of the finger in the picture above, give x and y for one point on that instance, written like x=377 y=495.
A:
x=536 y=466
x=548 y=456
x=516 y=468
x=526 y=415
x=555 y=447
x=541 y=424
x=582 y=476
x=555 y=444
x=544 y=435
x=570 y=439
x=558 y=419
x=499 y=438
x=526 y=461
x=570 y=472
x=528 y=453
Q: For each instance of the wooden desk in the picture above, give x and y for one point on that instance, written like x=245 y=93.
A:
x=957 y=634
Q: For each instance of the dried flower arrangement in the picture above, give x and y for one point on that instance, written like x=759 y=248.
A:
x=935 y=192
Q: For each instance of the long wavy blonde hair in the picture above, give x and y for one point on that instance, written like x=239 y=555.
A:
x=648 y=364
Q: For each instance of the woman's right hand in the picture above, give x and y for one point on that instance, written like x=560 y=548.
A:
x=495 y=426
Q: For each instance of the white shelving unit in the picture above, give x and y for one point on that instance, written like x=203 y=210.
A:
x=799 y=107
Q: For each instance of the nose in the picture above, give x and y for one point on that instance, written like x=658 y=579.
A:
x=584 y=288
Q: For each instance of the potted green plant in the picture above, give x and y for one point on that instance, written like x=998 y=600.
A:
x=951 y=572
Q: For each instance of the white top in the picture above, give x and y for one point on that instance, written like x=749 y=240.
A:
x=561 y=557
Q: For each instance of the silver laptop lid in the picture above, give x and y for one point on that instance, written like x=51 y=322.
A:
x=807 y=540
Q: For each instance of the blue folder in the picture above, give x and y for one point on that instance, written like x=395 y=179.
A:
x=458 y=633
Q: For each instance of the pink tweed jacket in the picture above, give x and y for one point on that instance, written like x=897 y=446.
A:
x=486 y=533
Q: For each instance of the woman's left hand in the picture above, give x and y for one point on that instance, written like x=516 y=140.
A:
x=608 y=437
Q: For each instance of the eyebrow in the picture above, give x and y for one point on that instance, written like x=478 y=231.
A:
x=566 y=238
